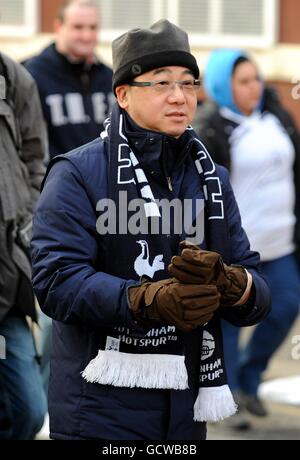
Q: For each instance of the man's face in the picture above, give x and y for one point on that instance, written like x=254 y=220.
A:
x=169 y=111
x=77 y=34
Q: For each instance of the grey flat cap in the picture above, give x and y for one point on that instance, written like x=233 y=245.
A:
x=140 y=50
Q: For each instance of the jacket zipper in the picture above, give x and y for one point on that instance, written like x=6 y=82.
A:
x=169 y=184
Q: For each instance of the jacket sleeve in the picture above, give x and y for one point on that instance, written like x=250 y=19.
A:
x=241 y=254
x=32 y=129
x=66 y=260
x=204 y=127
x=209 y=126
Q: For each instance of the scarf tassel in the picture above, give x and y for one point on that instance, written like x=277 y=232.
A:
x=137 y=370
x=214 y=404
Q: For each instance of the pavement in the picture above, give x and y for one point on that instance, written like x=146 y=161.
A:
x=282 y=423
x=280 y=392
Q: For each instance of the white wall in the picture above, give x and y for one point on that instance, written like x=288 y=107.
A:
x=280 y=62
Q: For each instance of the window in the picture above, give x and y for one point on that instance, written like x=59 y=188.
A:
x=210 y=23
x=118 y=16
x=18 y=18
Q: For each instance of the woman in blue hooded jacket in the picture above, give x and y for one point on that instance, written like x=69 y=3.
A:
x=246 y=129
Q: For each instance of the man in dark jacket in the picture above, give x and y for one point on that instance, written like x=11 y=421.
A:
x=137 y=344
x=75 y=91
x=74 y=86
x=22 y=152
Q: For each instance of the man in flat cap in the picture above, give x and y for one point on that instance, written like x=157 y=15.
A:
x=138 y=252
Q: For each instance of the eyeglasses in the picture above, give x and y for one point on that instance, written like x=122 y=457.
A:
x=166 y=87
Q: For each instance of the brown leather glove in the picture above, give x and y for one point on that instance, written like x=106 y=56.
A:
x=232 y=283
x=197 y=266
x=182 y=305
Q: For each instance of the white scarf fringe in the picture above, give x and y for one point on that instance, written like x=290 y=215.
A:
x=214 y=404
x=137 y=370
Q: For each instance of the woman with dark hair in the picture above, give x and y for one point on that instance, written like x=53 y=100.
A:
x=245 y=128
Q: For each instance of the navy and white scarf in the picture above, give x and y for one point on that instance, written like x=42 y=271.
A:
x=156 y=360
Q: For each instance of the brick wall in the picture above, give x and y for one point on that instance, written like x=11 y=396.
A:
x=287 y=93
x=48 y=11
x=289 y=30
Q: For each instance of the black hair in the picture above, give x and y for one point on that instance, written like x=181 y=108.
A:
x=239 y=61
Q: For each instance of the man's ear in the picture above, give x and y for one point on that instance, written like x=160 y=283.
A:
x=122 y=96
x=57 y=24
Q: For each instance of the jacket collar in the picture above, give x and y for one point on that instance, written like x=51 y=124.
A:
x=157 y=151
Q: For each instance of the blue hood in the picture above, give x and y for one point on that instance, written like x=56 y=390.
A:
x=218 y=74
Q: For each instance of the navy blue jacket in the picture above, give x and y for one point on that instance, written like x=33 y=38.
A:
x=82 y=300
x=75 y=98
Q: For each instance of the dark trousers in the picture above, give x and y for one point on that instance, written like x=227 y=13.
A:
x=245 y=365
x=22 y=398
